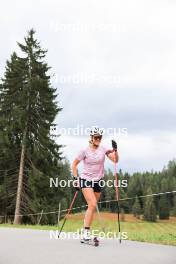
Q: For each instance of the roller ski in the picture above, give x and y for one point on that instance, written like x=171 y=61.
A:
x=88 y=239
x=92 y=242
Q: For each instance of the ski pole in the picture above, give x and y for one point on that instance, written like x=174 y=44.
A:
x=117 y=196
x=69 y=210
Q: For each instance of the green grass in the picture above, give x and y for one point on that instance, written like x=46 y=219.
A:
x=159 y=233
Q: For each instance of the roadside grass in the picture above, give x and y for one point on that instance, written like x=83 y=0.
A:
x=161 y=232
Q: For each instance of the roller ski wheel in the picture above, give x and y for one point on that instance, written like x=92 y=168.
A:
x=92 y=242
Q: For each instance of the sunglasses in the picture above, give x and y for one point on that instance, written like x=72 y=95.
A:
x=97 y=137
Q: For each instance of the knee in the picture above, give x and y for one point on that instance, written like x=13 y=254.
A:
x=92 y=205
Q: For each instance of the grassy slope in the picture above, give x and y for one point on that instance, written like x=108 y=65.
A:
x=162 y=232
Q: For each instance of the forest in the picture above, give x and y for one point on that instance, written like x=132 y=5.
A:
x=30 y=156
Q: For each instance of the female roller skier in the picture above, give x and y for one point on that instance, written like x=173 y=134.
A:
x=93 y=158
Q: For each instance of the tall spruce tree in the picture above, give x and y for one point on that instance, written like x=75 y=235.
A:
x=174 y=205
x=164 y=207
x=149 y=208
x=136 y=208
x=28 y=111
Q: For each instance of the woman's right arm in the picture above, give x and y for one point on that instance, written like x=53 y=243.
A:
x=74 y=167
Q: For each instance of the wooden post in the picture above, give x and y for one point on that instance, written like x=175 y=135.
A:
x=59 y=213
x=40 y=217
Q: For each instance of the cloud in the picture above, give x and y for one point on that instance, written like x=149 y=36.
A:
x=124 y=56
x=137 y=152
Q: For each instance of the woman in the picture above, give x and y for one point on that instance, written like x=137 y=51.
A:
x=93 y=158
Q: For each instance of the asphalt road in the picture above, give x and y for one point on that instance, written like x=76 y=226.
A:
x=23 y=246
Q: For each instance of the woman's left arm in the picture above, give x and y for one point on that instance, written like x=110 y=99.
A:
x=113 y=156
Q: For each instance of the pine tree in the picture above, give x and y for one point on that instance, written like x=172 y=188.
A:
x=174 y=205
x=9 y=150
x=149 y=208
x=163 y=207
x=164 y=201
x=136 y=208
x=28 y=111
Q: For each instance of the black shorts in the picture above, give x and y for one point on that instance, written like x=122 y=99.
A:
x=95 y=185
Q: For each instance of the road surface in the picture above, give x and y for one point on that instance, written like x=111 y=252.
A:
x=25 y=246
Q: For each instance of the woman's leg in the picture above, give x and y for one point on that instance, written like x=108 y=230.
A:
x=91 y=199
x=97 y=195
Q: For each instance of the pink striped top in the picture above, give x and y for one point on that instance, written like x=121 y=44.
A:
x=93 y=163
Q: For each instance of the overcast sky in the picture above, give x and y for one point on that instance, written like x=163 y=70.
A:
x=114 y=64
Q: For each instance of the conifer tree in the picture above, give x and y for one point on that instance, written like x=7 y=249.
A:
x=164 y=207
x=136 y=208
x=28 y=111
x=149 y=208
